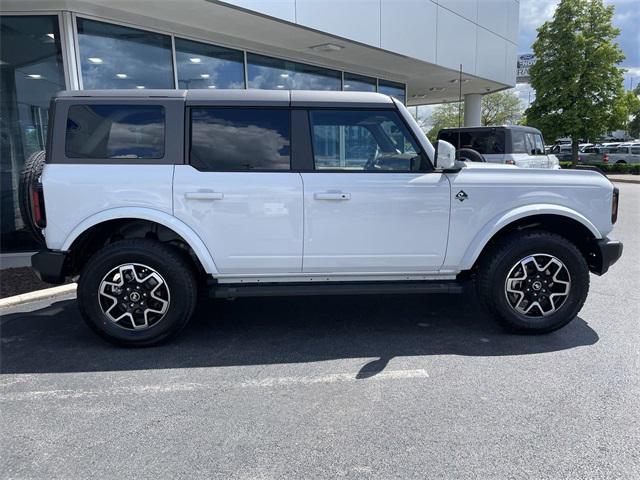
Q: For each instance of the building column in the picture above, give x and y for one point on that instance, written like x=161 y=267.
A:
x=472 y=109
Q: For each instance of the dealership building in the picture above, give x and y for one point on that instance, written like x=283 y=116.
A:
x=411 y=49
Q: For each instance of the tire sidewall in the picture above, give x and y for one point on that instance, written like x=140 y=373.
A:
x=578 y=271
x=174 y=320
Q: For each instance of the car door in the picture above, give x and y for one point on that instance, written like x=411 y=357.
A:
x=372 y=202
x=238 y=192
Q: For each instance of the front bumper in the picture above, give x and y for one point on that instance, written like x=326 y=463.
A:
x=606 y=253
x=49 y=265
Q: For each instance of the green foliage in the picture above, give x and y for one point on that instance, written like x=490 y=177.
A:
x=610 y=167
x=579 y=88
x=633 y=107
x=500 y=108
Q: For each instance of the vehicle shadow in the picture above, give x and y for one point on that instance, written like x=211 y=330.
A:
x=280 y=330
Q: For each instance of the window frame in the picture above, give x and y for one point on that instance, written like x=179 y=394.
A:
x=174 y=131
x=426 y=166
x=189 y=138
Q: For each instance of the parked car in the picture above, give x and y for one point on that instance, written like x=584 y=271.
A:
x=151 y=197
x=625 y=153
x=510 y=144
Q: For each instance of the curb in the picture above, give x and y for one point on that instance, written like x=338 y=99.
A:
x=37 y=295
x=624 y=180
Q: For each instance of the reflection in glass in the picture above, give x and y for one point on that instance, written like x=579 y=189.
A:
x=358 y=83
x=112 y=56
x=364 y=140
x=392 y=89
x=208 y=66
x=273 y=73
x=232 y=139
x=31 y=72
x=115 y=131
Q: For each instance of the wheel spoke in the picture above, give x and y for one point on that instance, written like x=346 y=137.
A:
x=134 y=296
x=537 y=285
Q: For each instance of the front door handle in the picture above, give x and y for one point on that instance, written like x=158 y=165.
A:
x=332 y=196
x=204 y=195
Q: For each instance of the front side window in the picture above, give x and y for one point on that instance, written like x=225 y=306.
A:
x=240 y=139
x=363 y=140
x=115 y=131
x=113 y=56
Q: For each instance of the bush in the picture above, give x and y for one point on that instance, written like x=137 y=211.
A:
x=610 y=167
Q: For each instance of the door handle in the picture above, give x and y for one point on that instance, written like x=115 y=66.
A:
x=204 y=195
x=332 y=196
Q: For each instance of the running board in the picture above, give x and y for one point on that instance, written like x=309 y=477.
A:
x=332 y=288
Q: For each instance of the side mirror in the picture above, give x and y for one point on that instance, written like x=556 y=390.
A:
x=445 y=155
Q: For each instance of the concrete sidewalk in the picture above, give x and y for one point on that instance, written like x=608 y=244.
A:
x=624 y=178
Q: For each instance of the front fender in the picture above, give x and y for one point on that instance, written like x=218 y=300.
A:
x=505 y=218
x=157 y=216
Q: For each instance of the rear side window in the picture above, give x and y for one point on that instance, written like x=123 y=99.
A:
x=115 y=131
x=518 y=142
x=240 y=139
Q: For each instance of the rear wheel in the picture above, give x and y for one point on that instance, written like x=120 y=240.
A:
x=137 y=292
x=533 y=282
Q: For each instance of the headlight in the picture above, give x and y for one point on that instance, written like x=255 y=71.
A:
x=614 y=205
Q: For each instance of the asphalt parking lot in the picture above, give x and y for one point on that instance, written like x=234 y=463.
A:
x=334 y=387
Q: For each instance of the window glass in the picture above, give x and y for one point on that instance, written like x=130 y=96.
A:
x=273 y=73
x=539 y=144
x=358 y=83
x=392 y=89
x=30 y=73
x=366 y=140
x=621 y=150
x=115 y=131
x=635 y=150
x=112 y=56
x=238 y=139
x=519 y=144
x=487 y=142
x=208 y=66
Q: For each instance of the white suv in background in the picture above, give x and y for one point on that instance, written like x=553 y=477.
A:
x=150 y=197
x=507 y=144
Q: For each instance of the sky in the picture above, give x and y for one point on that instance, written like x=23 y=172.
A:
x=534 y=13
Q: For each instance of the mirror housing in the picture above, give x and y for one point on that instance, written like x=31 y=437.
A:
x=445 y=155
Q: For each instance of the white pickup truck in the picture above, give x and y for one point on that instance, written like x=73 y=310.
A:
x=150 y=197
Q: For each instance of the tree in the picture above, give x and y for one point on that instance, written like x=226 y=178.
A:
x=579 y=88
x=633 y=126
x=501 y=108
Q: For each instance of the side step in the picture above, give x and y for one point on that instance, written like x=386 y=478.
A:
x=332 y=288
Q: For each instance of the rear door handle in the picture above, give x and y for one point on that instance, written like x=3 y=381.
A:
x=332 y=196
x=204 y=195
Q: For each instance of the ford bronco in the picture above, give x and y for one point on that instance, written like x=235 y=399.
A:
x=150 y=197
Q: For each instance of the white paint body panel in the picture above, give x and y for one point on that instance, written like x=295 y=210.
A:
x=256 y=227
x=74 y=193
x=498 y=196
x=390 y=222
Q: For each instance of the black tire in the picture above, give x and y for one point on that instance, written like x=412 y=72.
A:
x=621 y=161
x=30 y=179
x=173 y=267
x=499 y=261
x=469 y=154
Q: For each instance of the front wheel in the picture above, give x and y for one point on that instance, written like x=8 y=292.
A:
x=137 y=292
x=533 y=282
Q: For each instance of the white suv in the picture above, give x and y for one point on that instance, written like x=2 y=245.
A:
x=149 y=195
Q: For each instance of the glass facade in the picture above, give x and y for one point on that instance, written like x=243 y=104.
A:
x=201 y=65
x=392 y=89
x=112 y=56
x=274 y=73
x=31 y=72
x=358 y=83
